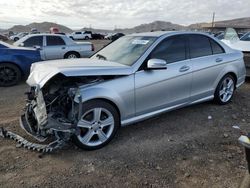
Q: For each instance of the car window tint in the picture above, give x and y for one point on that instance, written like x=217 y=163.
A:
x=54 y=41
x=199 y=46
x=216 y=48
x=171 y=50
x=33 y=41
x=245 y=37
x=78 y=33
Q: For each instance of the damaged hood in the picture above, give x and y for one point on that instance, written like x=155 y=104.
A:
x=41 y=72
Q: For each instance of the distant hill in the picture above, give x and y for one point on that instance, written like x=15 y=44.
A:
x=42 y=27
x=244 y=22
x=154 y=26
x=238 y=21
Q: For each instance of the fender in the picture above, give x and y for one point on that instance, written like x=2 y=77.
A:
x=123 y=99
x=230 y=69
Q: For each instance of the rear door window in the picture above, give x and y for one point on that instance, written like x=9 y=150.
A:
x=216 y=48
x=33 y=41
x=54 y=41
x=171 y=50
x=199 y=46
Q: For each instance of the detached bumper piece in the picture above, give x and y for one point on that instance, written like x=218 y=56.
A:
x=44 y=148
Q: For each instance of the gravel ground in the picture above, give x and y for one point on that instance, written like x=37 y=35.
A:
x=183 y=148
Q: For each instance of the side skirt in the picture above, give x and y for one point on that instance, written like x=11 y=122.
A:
x=155 y=113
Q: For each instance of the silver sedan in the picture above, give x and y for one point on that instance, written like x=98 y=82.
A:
x=132 y=79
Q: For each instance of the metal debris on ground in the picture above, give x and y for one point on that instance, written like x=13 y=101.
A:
x=44 y=148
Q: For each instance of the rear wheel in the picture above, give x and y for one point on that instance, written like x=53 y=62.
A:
x=71 y=55
x=9 y=74
x=98 y=124
x=225 y=90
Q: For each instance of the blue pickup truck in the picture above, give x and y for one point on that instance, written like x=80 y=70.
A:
x=15 y=63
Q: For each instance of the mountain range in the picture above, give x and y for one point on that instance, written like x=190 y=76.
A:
x=154 y=26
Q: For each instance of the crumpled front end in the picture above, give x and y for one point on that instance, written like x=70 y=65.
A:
x=49 y=112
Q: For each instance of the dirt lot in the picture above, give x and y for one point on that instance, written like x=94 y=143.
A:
x=182 y=148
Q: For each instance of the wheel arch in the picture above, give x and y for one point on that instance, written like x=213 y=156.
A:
x=231 y=70
x=109 y=102
x=234 y=76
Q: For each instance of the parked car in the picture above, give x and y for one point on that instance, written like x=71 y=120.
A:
x=243 y=44
x=107 y=36
x=97 y=36
x=81 y=35
x=18 y=36
x=15 y=63
x=116 y=36
x=132 y=79
x=56 y=46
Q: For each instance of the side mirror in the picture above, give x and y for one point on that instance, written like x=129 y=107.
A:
x=156 y=64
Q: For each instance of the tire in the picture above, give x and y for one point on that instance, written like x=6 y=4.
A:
x=86 y=38
x=71 y=55
x=94 y=132
x=9 y=74
x=225 y=90
x=16 y=39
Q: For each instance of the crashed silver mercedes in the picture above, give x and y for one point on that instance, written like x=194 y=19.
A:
x=134 y=78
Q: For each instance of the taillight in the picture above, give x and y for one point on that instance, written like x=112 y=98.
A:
x=92 y=47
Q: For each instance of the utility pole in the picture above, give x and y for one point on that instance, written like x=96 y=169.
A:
x=213 y=21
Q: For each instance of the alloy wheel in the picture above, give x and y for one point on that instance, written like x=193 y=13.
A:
x=96 y=126
x=72 y=56
x=226 y=89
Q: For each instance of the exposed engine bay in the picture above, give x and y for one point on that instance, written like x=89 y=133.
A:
x=51 y=113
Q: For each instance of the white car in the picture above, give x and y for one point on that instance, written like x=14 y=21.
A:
x=81 y=35
x=243 y=44
x=18 y=36
x=56 y=46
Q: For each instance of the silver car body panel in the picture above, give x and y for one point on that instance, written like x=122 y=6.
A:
x=140 y=94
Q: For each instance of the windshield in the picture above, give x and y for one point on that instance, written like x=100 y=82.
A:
x=231 y=34
x=126 y=50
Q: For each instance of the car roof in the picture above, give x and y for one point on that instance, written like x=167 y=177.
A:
x=45 y=34
x=166 y=33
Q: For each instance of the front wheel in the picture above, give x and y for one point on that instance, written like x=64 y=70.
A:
x=225 y=90
x=97 y=126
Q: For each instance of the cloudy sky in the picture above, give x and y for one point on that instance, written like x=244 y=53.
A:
x=107 y=14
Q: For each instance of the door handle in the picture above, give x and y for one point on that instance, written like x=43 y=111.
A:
x=184 y=68
x=219 y=60
x=63 y=48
